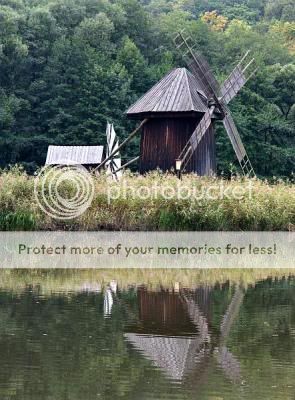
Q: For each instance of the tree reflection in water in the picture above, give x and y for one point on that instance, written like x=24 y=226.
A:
x=105 y=342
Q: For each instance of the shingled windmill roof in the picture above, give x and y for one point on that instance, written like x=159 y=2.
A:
x=178 y=91
x=175 y=356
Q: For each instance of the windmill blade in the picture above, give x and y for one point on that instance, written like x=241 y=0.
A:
x=114 y=163
x=114 y=166
x=196 y=316
x=196 y=137
x=234 y=136
x=108 y=135
x=238 y=78
x=201 y=129
x=237 y=144
x=108 y=302
x=111 y=139
x=231 y=313
x=198 y=65
x=228 y=362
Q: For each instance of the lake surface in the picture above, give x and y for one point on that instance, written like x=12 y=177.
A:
x=211 y=342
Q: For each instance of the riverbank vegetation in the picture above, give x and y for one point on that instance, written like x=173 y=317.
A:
x=194 y=203
x=69 y=66
x=64 y=280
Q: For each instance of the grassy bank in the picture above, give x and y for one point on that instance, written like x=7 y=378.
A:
x=61 y=280
x=238 y=204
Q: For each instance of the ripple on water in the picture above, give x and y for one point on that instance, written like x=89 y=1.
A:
x=208 y=343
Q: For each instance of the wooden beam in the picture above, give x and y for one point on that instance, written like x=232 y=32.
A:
x=121 y=145
x=128 y=163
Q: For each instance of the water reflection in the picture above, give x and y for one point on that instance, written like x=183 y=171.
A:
x=103 y=342
x=174 y=332
x=110 y=291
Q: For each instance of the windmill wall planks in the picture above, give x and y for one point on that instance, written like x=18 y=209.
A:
x=162 y=140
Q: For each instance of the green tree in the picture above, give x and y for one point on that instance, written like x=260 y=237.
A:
x=281 y=87
x=280 y=9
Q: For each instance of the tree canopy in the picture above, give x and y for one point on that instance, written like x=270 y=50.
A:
x=69 y=66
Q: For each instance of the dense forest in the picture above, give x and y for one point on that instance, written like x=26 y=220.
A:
x=69 y=66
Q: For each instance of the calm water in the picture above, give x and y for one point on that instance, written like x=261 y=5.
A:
x=210 y=343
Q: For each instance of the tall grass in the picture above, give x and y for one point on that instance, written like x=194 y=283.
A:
x=270 y=207
x=17 y=204
x=65 y=280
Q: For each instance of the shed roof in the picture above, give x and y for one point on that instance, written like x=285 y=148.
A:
x=178 y=91
x=74 y=155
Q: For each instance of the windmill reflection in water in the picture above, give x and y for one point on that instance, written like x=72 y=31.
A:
x=174 y=333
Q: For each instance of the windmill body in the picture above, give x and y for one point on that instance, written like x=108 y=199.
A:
x=174 y=107
x=181 y=111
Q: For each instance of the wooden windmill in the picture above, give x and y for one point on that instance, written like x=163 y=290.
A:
x=180 y=112
x=185 y=348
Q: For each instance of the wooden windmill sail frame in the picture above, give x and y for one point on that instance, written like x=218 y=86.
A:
x=218 y=99
x=124 y=143
x=113 y=165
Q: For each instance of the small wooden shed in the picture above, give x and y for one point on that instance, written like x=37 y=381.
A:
x=88 y=156
x=174 y=107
